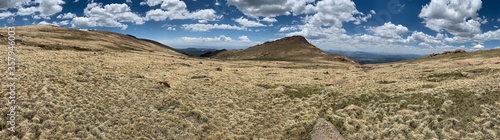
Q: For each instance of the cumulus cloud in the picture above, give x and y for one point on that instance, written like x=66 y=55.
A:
x=207 y=27
x=110 y=15
x=288 y=28
x=6 y=4
x=490 y=35
x=60 y=23
x=45 y=8
x=269 y=19
x=68 y=15
x=207 y=39
x=24 y=11
x=220 y=42
x=478 y=47
x=457 y=17
x=272 y=8
x=333 y=13
x=171 y=28
x=423 y=39
x=6 y=14
x=176 y=9
x=389 y=30
x=244 y=39
x=247 y=23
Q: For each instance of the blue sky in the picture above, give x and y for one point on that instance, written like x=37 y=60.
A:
x=392 y=26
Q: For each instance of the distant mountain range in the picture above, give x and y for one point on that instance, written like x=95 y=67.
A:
x=196 y=52
x=374 y=58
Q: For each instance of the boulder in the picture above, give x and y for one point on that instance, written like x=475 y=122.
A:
x=324 y=130
x=468 y=74
x=447 y=53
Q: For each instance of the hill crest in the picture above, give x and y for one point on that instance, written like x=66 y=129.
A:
x=292 y=48
x=49 y=37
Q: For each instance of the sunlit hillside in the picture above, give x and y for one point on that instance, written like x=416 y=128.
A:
x=101 y=85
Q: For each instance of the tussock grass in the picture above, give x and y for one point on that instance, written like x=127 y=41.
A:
x=71 y=94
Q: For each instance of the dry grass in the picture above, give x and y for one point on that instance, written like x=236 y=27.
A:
x=109 y=94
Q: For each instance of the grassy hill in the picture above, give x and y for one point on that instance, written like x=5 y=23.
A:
x=294 y=48
x=97 y=85
x=49 y=37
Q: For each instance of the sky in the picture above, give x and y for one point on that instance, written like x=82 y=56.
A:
x=386 y=26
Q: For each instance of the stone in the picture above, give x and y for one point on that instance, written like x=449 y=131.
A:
x=468 y=74
x=350 y=107
x=324 y=130
x=280 y=88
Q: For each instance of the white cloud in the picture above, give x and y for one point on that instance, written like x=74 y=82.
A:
x=490 y=35
x=272 y=8
x=208 y=27
x=478 y=47
x=68 y=15
x=176 y=9
x=6 y=14
x=269 y=19
x=23 y=11
x=289 y=28
x=110 y=15
x=202 y=21
x=423 y=39
x=220 y=42
x=171 y=28
x=373 y=12
x=455 y=16
x=247 y=23
x=157 y=15
x=11 y=20
x=44 y=8
x=6 y=4
x=49 y=7
x=333 y=13
x=222 y=38
x=389 y=30
x=61 y=23
x=244 y=39
x=128 y=1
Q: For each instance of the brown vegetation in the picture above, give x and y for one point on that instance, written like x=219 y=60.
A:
x=113 y=92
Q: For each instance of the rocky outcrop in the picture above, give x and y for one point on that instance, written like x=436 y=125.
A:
x=324 y=130
x=446 y=53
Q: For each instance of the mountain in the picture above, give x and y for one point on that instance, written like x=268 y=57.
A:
x=293 y=48
x=196 y=51
x=375 y=58
x=50 y=37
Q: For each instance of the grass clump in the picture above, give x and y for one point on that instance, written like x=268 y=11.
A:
x=386 y=82
x=302 y=91
x=438 y=77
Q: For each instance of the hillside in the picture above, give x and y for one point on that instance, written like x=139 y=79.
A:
x=56 y=38
x=98 y=85
x=293 y=48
